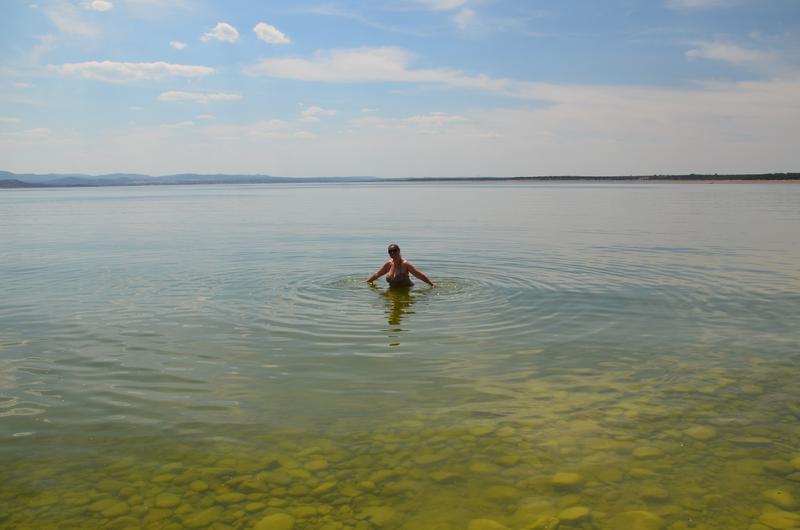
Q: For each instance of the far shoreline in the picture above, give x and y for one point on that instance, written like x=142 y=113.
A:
x=32 y=181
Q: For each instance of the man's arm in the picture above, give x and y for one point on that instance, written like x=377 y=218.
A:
x=380 y=272
x=419 y=274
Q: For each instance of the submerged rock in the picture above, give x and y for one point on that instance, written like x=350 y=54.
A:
x=780 y=498
x=566 y=480
x=198 y=485
x=202 y=518
x=167 y=500
x=653 y=492
x=277 y=521
x=545 y=522
x=576 y=513
x=780 y=520
x=116 y=509
x=701 y=432
x=638 y=520
x=647 y=452
x=501 y=492
x=379 y=515
x=486 y=524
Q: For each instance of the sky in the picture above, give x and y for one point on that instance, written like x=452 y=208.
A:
x=404 y=88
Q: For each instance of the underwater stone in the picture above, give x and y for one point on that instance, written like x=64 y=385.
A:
x=158 y=514
x=751 y=441
x=546 y=522
x=576 y=513
x=701 y=432
x=482 y=467
x=609 y=475
x=508 y=460
x=298 y=490
x=303 y=511
x=254 y=506
x=444 y=476
x=752 y=390
x=381 y=475
x=505 y=431
x=485 y=524
x=202 y=518
x=102 y=504
x=647 y=452
x=167 y=500
x=427 y=459
x=655 y=493
x=378 y=515
x=780 y=520
x=278 y=521
x=253 y=485
x=780 y=498
x=501 y=492
x=116 y=509
x=324 y=487
x=316 y=465
x=230 y=498
x=481 y=430
x=639 y=520
x=566 y=480
x=779 y=467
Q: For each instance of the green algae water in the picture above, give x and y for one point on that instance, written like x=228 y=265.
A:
x=594 y=357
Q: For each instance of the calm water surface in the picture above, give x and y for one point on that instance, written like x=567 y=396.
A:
x=594 y=357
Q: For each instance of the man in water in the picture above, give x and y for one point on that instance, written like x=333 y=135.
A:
x=398 y=269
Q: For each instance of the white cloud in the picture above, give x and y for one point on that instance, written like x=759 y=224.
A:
x=46 y=44
x=270 y=34
x=67 y=18
x=135 y=108
x=729 y=53
x=23 y=85
x=442 y=5
x=313 y=113
x=367 y=64
x=178 y=45
x=118 y=72
x=222 y=32
x=8 y=119
x=699 y=4
x=98 y=5
x=197 y=97
x=433 y=120
x=179 y=125
x=33 y=134
x=465 y=18
x=206 y=117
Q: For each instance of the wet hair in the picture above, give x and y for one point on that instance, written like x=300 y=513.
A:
x=393 y=246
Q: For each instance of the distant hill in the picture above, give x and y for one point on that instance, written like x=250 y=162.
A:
x=15 y=183
x=137 y=179
x=29 y=180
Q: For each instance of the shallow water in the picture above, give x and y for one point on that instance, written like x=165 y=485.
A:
x=594 y=356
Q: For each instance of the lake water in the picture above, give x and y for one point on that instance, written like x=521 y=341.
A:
x=594 y=357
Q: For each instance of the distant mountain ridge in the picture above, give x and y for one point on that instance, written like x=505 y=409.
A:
x=33 y=180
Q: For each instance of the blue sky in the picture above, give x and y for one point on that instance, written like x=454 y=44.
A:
x=401 y=88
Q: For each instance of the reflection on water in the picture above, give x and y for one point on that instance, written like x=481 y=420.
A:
x=398 y=301
x=597 y=357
